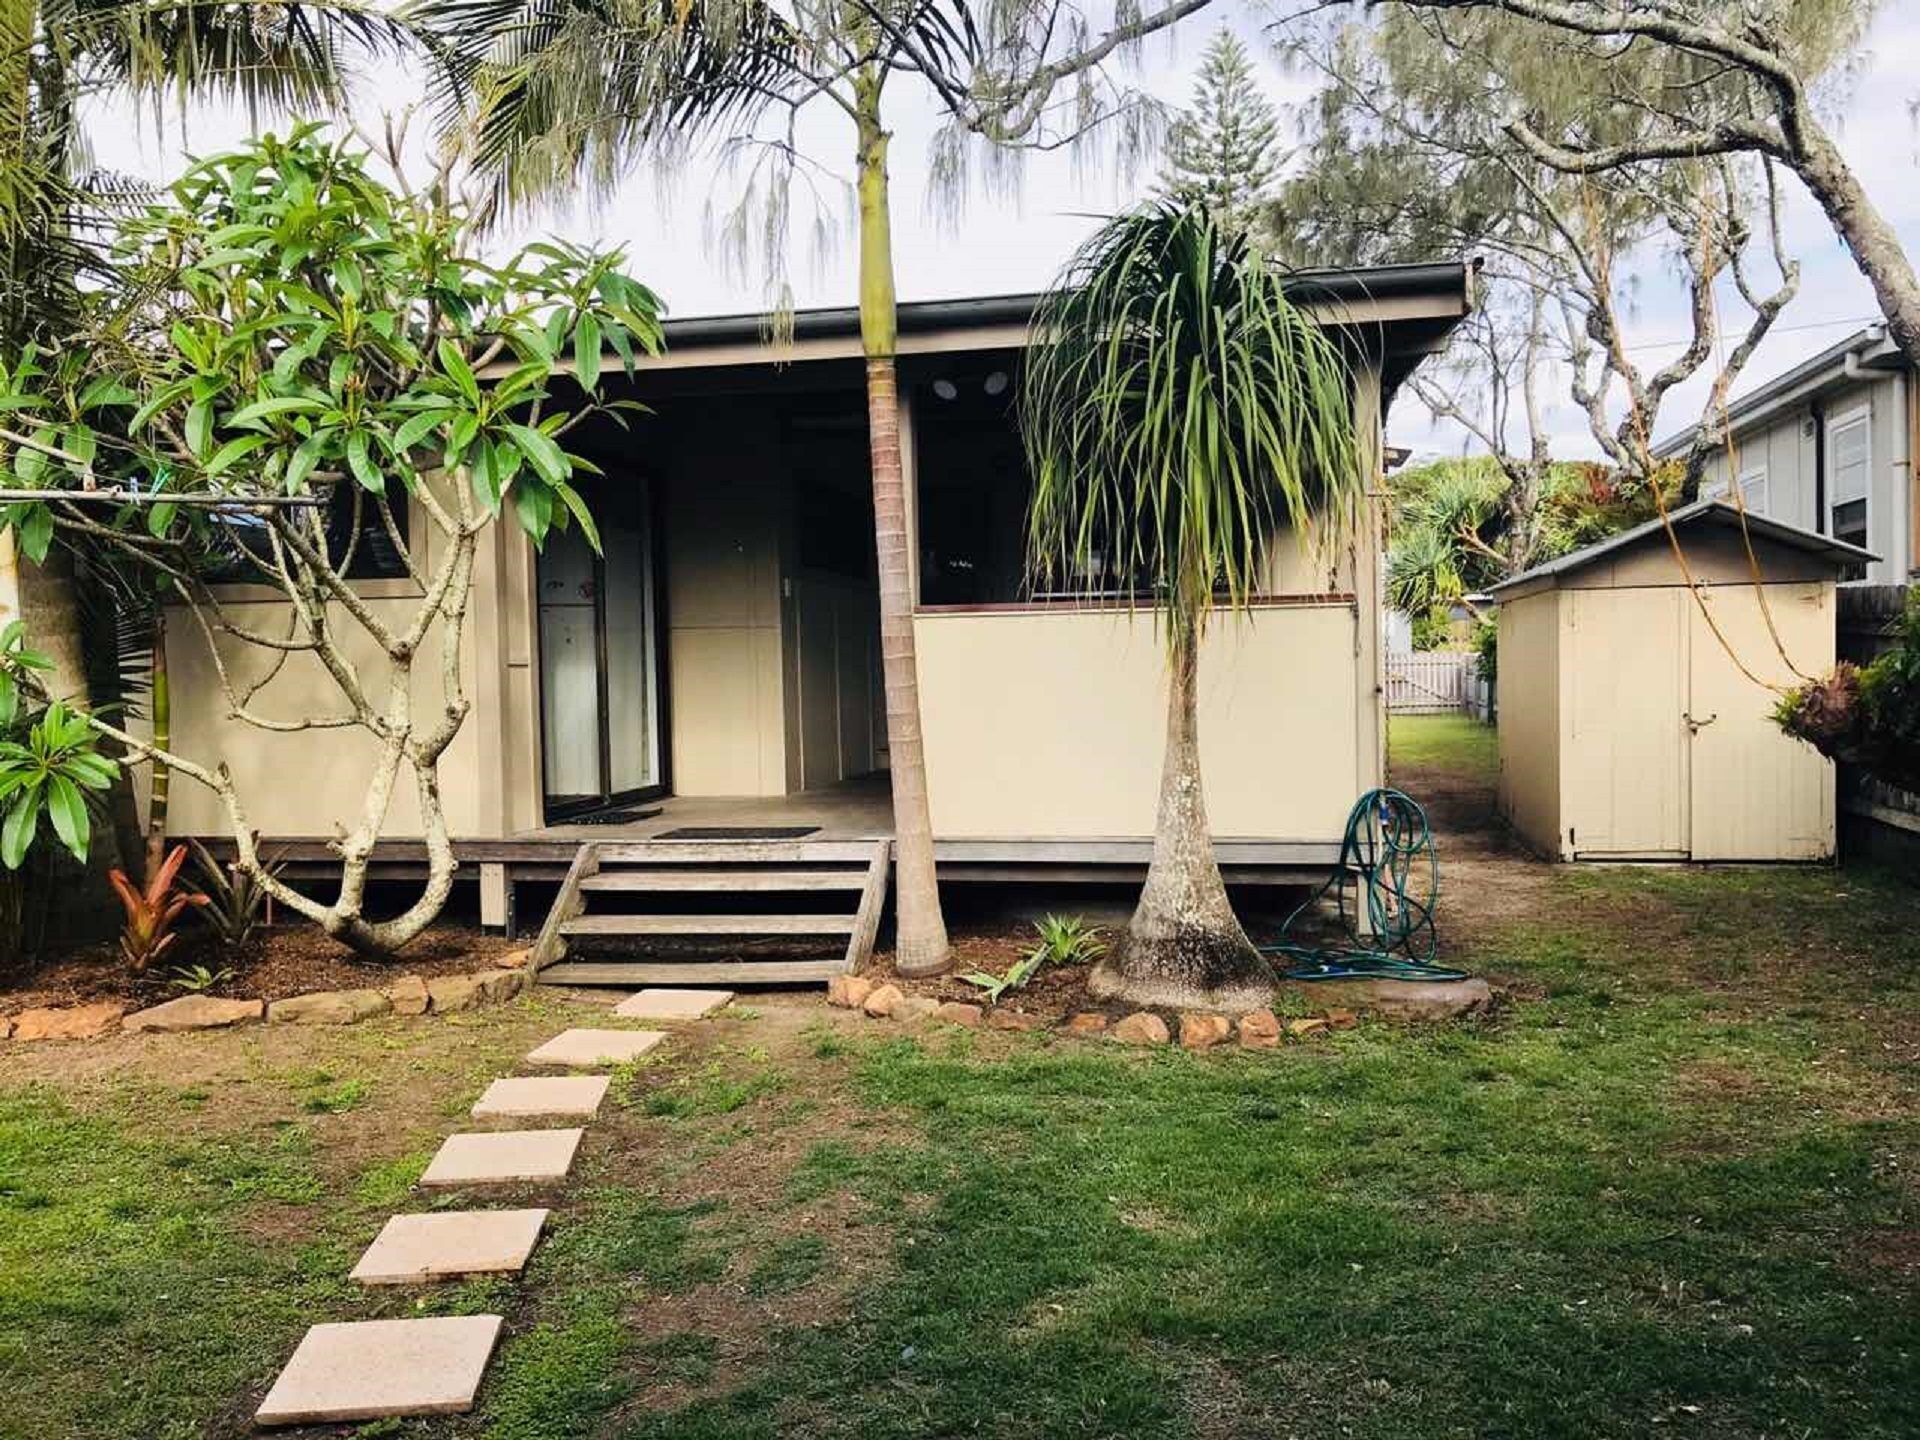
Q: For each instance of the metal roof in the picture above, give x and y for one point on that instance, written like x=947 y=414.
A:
x=1375 y=282
x=1701 y=512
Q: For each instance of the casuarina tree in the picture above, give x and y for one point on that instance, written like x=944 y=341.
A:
x=563 y=90
x=1182 y=417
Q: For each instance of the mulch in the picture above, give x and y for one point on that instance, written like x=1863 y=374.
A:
x=288 y=959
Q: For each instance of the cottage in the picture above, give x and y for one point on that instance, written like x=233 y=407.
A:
x=714 y=672
x=1637 y=681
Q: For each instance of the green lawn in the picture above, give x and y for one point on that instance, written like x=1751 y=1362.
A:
x=1463 y=746
x=1668 y=1190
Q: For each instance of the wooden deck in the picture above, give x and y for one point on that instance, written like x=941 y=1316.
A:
x=860 y=811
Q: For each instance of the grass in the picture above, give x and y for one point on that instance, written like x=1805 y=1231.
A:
x=1461 y=745
x=1666 y=1191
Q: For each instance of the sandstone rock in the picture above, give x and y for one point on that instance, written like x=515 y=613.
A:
x=881 y=1000
x=408 y=995
x=1017 y=1020
x=1203 y=1032
x=849 y=992
x=453 y=992
x=68 y=1022
x=514 y=959
x=1300 y=1029
x=1342 y=1019
x=196 y=1012
x=958 y=1012
x=1141 y=1028
x=6 y=1026
x=912 y=1009
x=1259 y=1030
x=1087 y=1022
x=498 y=985
x=328 y=1007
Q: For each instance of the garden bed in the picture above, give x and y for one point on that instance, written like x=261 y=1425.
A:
x=287 y=959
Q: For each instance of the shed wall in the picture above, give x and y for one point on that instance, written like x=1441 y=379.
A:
x=1529 y=727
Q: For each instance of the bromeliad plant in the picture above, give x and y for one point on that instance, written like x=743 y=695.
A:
x=296 y=354
x=153 y=911
x=1064 y=940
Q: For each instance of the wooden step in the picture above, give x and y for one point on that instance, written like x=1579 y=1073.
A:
x=691 y=972
x=723 y=880
x=709 y=925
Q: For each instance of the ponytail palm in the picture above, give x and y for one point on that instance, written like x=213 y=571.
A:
x=1181 y=415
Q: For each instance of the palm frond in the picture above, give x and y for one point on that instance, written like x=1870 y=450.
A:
x=1179 y=411
x=559 y=91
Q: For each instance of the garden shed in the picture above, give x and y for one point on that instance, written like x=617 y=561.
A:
x=1637 y=682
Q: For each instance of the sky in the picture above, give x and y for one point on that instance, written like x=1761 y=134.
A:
x=1013 y=241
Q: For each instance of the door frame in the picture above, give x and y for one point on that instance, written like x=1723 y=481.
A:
x=552 y=810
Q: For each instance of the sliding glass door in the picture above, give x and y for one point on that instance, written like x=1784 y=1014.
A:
x=600 y=660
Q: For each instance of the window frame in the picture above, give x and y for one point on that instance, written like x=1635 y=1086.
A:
x=1861 y=415
x=1748 y=476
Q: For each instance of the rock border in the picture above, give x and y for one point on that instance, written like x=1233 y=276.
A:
x=1192 y=1029
x=403 y=995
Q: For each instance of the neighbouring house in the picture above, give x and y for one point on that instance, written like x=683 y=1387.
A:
x=1828 y=446
x=1637 y=682
x=713 y=676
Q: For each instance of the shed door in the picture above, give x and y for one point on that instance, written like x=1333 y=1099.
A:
x=1626 y=760
x=1757 y=794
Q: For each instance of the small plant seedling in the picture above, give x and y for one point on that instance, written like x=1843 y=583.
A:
x=197 y=979
x=1064 y=940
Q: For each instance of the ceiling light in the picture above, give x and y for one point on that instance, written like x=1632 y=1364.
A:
x=996 y=382
x=946 y=389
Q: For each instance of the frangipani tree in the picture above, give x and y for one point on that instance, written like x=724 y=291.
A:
x=286 y=363
x=560 y=91
x=1180 y=414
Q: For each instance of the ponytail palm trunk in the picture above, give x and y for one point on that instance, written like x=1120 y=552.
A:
x=1181 y=417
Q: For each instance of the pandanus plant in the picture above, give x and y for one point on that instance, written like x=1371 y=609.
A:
x=1181 y=415
x=153 y=912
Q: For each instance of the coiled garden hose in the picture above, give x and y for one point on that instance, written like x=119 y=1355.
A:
x=1388 y=854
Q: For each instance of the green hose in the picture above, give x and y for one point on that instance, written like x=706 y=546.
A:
x=1388 y=851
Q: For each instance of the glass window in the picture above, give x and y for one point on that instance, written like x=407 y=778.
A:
x=1849 y=472
x=1753 y=492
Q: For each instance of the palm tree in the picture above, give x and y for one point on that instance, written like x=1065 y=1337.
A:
x=560 y=89
x=57 y=55
x=1181 y=416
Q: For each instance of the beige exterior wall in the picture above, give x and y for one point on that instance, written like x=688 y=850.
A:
x=725 y=494
x=1529 y=735
x=1052 y=723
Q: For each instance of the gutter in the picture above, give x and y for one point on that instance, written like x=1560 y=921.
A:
x=1789 y=388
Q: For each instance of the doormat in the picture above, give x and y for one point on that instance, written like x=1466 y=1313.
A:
x=737 y=832
x=616 y=817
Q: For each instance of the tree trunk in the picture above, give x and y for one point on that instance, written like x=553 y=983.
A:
x=161 y=700
x=1875 y=243
x=1184 y=946
x=920 y=946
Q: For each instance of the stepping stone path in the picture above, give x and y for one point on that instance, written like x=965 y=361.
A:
x=583 y=1048
x=372 y=1369
x=448 y=1244
x=673 y=1004
x=521 y=1096
x=502 y=1157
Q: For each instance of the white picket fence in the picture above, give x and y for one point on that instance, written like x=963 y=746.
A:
x=1436 y=682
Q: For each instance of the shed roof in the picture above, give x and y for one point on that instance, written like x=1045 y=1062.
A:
x=1701 y=514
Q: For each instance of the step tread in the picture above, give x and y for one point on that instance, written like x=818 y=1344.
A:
x=709 y=925
x=690 y=972
x=725 y=880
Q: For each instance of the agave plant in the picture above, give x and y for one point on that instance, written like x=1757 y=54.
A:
x=153 y=912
